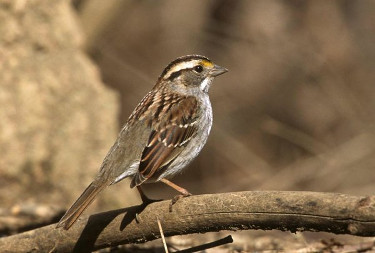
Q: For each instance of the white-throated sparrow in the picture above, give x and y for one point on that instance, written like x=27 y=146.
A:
x=165 y=132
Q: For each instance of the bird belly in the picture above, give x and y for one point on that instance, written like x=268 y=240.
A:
x=192 y=149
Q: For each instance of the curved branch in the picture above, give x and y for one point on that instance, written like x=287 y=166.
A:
x=293 y=211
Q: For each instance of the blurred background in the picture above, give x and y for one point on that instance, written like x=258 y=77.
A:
x=295 y=111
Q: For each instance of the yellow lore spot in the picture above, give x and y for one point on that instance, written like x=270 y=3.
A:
x=207 y=63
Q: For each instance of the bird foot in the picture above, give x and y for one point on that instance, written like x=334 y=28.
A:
x=177 y=198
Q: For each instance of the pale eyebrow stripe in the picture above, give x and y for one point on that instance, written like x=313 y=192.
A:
x=182 y=65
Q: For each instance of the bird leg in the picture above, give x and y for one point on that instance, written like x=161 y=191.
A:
x=183 y=191
x=146 y=200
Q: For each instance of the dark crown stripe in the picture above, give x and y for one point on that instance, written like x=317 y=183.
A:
x=182 y=59
x=177 y=73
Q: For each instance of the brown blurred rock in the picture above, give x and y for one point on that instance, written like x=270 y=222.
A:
x=57 y=118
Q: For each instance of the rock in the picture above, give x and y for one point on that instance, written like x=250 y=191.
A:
x=57 y=118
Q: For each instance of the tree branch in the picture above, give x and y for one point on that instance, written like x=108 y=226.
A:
x=293 y=211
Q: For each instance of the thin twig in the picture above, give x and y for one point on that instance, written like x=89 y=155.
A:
x=162 y=235
x=209 y=245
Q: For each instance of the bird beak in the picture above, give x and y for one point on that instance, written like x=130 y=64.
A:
x=217 y=70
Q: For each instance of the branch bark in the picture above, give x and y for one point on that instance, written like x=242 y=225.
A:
x=293 y=211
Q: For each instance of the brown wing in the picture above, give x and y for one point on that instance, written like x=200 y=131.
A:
x=169 y=136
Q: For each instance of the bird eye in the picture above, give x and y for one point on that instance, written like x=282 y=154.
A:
x=198 y=68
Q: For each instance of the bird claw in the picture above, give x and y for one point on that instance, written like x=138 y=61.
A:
x=177 y=198
x=137 y=218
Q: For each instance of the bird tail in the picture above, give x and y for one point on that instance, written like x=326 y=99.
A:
x=71 y=216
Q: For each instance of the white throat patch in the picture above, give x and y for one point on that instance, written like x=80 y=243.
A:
x=205 y=85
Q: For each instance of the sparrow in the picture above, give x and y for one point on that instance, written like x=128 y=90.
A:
x=165 y=132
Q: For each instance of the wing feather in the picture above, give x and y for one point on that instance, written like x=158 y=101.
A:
x=168 y=137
